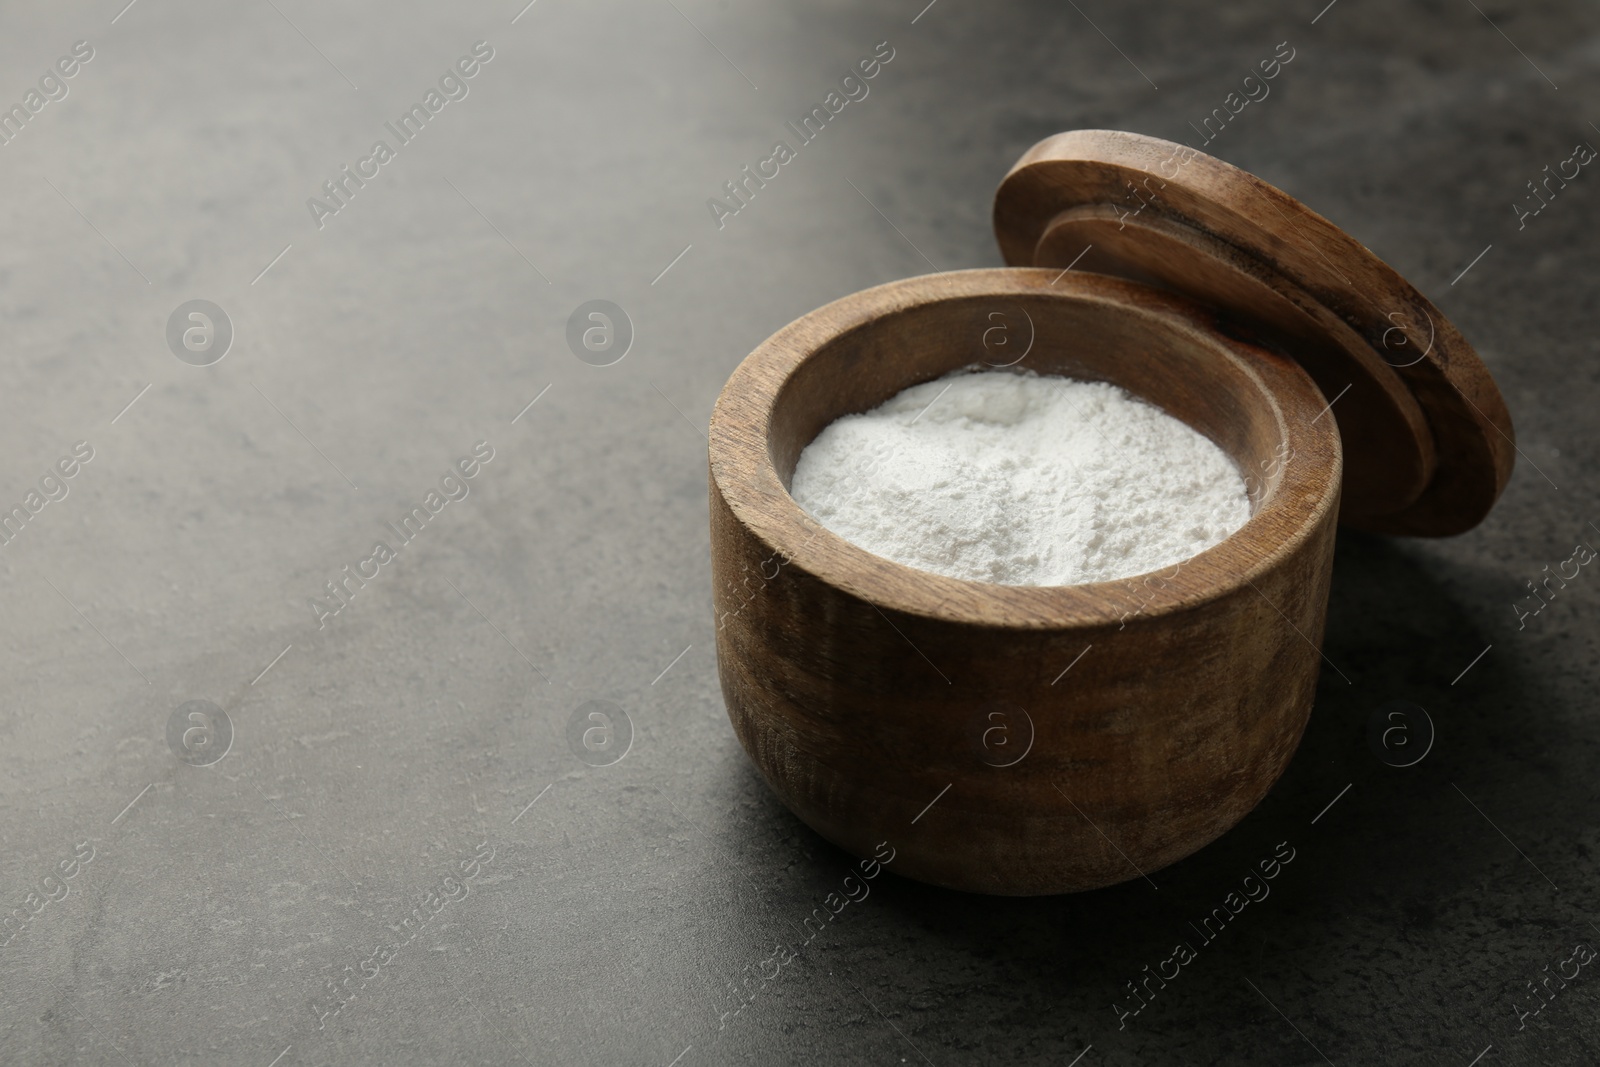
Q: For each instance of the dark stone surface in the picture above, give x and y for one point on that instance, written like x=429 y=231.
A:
x=617 y=913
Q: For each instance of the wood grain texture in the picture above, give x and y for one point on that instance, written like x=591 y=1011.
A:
x=862 y=688
x=1428 y=440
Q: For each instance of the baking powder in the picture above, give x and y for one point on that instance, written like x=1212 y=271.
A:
x=1021 y=479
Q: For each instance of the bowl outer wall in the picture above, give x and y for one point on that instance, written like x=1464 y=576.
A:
x=858 y=685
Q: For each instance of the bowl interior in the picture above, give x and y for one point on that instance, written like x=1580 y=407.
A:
x=1188 y=372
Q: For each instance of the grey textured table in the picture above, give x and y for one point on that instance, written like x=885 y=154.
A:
x=400 y=858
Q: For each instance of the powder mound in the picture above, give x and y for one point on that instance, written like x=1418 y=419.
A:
x=1021 y=479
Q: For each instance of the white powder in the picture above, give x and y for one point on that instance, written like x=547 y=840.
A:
x=1020 y=479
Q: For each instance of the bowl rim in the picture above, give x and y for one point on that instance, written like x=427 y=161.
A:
x=1290 y=512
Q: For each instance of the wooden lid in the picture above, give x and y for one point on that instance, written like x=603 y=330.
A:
x=1427 y=439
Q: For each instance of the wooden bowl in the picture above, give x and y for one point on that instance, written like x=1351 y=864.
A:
x=1012 y=739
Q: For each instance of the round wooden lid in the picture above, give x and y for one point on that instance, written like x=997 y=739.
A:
x=1427 y=439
